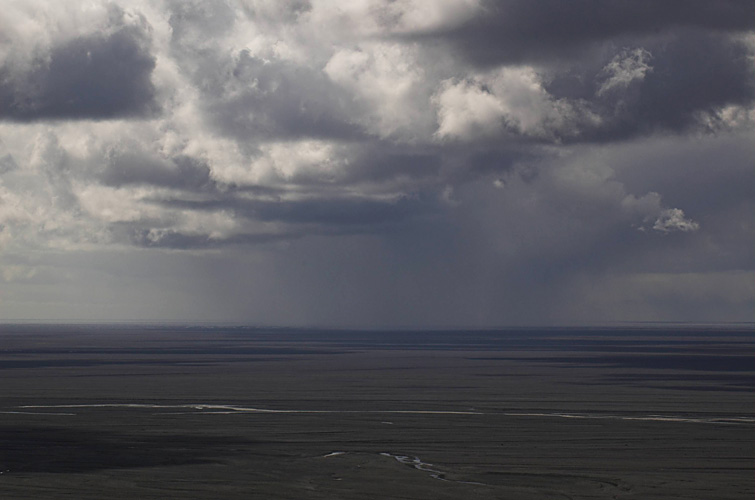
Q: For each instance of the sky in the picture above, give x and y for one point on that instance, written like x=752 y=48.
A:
x=377 y=163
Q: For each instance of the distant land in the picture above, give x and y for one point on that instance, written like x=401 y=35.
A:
x=198 y=412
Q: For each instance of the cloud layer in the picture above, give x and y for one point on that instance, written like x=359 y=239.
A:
x=372 y=163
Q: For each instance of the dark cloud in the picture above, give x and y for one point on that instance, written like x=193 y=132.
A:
x=90 y=77
x=711 y=177
x=346 y=212
x=518 y=30
x=333 y=211
x=685 y=78
x=694 y=73
x=128 y=167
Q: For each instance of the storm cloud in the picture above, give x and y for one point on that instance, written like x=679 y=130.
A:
x=516 y=31
x=91 y=76
x=377 y=163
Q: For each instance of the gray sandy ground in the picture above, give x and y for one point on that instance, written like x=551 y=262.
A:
x=94 y=412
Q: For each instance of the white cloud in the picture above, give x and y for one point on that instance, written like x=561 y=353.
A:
x=625 y=68
x=729 y=117
x=511 y=99
x=388 y=84
x=297 y=161
x=673 y=219
x=467 y=111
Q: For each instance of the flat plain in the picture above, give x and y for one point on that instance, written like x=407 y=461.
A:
x=154 y=412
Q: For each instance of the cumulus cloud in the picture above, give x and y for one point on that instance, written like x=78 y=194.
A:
x=387 y=83
x=511 y=99
x=255 y=99
x=467 y=111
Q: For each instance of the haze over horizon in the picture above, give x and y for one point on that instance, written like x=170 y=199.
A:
x=377 y=163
